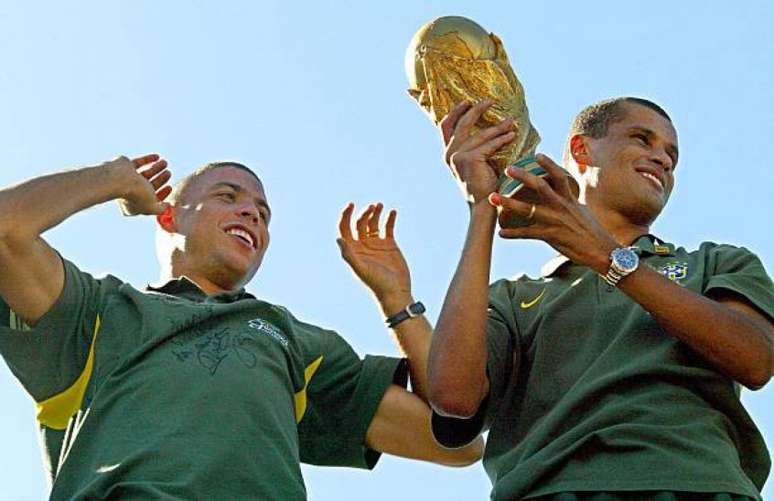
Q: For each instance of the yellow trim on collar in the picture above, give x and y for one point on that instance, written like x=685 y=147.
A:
x=300 y=396
x=55 y=412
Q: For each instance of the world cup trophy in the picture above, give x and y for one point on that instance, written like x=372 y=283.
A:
x=453 y=59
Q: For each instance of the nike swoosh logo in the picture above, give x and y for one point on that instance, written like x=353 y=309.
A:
x=532 y=303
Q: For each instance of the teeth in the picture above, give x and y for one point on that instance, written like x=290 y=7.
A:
x=654 y=178
x=242 y=234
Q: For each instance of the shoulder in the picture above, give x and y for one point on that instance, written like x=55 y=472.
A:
x=308 y=334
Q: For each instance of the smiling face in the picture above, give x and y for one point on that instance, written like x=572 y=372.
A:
x=631 y=167
x=220 y=229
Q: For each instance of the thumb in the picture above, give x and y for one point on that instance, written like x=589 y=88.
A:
x=344 y=248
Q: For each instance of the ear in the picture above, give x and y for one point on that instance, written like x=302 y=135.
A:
x=580 y=151
x=166 y=220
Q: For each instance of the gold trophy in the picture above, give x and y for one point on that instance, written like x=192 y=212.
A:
x=452 y=59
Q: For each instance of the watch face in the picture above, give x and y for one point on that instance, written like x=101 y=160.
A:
x=417 y=308
x=626 y=259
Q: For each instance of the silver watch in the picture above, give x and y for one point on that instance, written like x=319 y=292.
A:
x=623 y=261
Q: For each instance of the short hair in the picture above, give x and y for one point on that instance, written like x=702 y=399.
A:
x=182 y=186
x=595 y=120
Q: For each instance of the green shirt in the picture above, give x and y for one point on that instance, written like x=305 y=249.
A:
x=589 y=393
x=171 y=394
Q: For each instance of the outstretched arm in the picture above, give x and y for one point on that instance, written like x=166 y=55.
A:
x=31 y=272
x=458 y=356
x=401 y=425
x=379 y=264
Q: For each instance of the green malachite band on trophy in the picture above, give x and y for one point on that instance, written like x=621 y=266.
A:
x=508 y=186
x=525 y=161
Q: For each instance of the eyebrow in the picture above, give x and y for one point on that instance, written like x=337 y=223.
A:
x=225 y=184
x=670 y=148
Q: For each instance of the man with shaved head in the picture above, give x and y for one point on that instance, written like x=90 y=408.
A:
x=614 y=375
x=194 y=388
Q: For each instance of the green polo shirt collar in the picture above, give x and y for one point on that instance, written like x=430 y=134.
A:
x=647 y=245
x=186 y=288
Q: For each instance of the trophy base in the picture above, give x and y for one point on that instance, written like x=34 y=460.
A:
x=515 y=189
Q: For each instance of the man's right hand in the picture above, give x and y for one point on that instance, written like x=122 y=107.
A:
x=146 y=186
x=31 y=272
x=467 y=154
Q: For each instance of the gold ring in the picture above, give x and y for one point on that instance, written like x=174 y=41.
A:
x=372 y=234
x=531 y=212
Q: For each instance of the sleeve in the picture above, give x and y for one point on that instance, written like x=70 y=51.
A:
x=343 y=393
x=502 y=363
x=739 y=270
x=49 y=358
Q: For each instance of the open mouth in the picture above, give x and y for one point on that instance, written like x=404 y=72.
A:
x=655 y=180
x=243 y=236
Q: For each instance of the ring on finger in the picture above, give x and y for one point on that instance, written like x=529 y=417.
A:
x=531 y=212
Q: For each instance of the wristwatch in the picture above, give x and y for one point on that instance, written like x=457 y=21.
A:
x=410 y=311
x=623 y=261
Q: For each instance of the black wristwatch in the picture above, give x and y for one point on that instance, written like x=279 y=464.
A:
x=410 y=311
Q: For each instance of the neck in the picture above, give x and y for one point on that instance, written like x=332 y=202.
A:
x=204 y=282
x=623 y=230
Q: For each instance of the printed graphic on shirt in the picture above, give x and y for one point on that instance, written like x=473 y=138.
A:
x=674 y=271
x=528 y=304
x=269 y=329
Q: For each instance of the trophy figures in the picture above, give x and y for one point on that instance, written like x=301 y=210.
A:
x=452 y=59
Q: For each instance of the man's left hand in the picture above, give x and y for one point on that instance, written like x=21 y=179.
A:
x=376 y=259
x=558 y=219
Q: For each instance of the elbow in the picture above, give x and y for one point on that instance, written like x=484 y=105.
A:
x=468 y=455
x=759 y=375
x=15 y=239
x=758 y=379
x=450 y=402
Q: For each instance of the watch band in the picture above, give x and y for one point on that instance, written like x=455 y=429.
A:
x=410 y=311
x=616 y=273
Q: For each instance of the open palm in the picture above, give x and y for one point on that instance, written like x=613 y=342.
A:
x=376 y=260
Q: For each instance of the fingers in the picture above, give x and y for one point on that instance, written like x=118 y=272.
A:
x=367 y=224
x=558 y=176
x=390 y=227
x=504 y=127
x=145 y=160
x=345 y=222
x=470 y=117
x=373 y=221
x=160 y=180
x=449 y=122
x=489 y=147
x=535 y=183
x=153 y=169
x=361 y=225
x=163 y=193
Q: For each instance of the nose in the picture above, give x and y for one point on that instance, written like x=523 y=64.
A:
x=662 y=158
x=249 y=211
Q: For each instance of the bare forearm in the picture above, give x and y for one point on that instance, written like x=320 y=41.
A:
x=402 y=427
x=739 y=345
x=34 y=206
x=457 y=363
x=413 y=335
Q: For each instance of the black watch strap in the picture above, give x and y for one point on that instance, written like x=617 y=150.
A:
x=410 y=311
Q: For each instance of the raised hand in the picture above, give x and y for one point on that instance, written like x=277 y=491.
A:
x=375 y=259
x=146 y=186
x=467 y=154
x=558 y=219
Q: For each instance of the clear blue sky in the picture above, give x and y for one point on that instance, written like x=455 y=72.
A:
x=313 y=96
